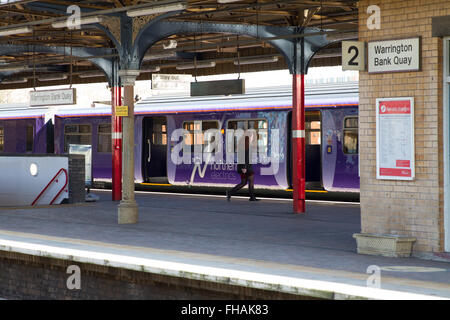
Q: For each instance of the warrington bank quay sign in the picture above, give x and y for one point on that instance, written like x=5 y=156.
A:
x=394 y=55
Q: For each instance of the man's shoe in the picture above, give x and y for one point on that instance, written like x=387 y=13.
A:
x=253 y=199
x=228 y=195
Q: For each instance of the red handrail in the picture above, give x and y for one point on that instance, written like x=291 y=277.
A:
x=43 y=190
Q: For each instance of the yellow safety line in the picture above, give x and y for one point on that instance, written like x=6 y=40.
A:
x=317 y=191
x=169 y=185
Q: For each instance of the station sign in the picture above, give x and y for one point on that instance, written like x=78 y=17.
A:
x=353 y=55
x=171 y=82
x=217 y=87
x=53 y=97
x=394 y=55
x=395 y=138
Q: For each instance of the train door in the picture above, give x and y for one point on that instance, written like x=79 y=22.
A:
x=155 y=149
x=313 y=141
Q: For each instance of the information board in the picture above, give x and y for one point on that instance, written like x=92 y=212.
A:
x=85 y=150
x=395 y=138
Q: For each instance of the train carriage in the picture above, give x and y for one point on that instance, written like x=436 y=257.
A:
x=25 y=130
x=331 y=137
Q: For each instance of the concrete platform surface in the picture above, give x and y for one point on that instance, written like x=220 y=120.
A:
x=258 y=244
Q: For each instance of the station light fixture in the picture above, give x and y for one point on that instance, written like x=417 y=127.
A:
x=53 y=77
x=156 y=9
x=91 y=74
x=67 y=23
x=227 y=1
x=198 y=65
x=158 y=56
x=245 y=61
x=13 y=31
x=15 y=81
x=151 y=69
x=13 y=68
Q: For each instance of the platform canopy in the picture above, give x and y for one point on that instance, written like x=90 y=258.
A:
x=38 y=49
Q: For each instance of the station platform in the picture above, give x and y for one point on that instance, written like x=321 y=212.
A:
x=258 y=245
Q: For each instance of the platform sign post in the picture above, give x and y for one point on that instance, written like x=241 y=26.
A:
x=395 y=138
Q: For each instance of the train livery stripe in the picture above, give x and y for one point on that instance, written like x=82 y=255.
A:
x=207 y=110
x=22 y=118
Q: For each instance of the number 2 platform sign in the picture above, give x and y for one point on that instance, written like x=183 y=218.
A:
x=395 y=138
x=353 y=55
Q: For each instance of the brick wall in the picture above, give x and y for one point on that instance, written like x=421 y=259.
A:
x=27 y=277
x=413 y=208
x=77 y=190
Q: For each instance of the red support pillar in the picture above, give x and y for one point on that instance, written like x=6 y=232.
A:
x=298 y=142
x=116 y=100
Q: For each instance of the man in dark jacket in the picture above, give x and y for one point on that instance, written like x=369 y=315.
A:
x=247 y=175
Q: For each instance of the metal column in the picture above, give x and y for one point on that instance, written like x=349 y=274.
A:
x=298 y=142
x=298 y=128
x=116 y=100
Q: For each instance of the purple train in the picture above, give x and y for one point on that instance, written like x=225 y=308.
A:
x=25 y=130
x=331 y=137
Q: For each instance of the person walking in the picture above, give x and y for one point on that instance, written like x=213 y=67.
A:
x=247 y=175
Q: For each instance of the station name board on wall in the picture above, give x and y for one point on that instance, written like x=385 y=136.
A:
x=395 y=138
x=53 y=97
x=394 y=55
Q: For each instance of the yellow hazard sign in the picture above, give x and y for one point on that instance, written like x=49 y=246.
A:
x=121 y=111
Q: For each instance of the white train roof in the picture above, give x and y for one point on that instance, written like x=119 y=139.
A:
x=255 y=98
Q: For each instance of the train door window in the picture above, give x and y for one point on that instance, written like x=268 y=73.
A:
x=313 y=128
x=2 y=139
x=350 y=145
x=77 y=134
x=159 y=135
x=30 y=138
x=104 y=138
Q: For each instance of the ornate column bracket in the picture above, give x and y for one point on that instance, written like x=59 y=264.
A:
x=104 y=64
x=280 y=38
x=111 y=26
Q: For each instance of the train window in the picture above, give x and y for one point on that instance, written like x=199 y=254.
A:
x=197 y=138
x=104 y=138
x=350 y=145
x=30 y=138
x=159 y=136
x=261 y=128
x=313 y=128
x=2 y=139
x=77 y=134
